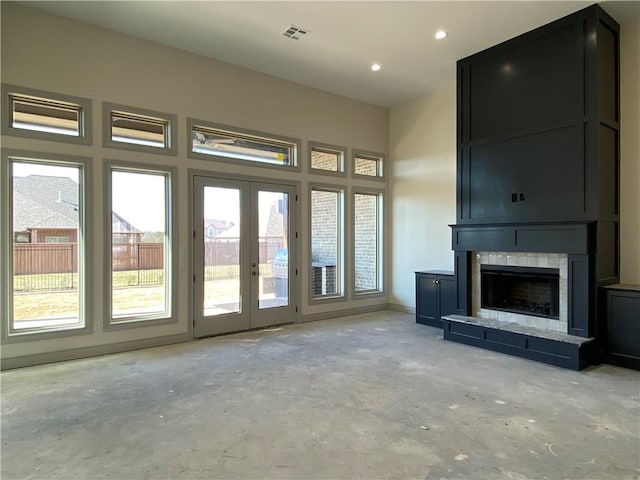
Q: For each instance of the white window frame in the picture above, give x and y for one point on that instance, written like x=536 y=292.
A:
x=168 y=119
x=333 y=149
x=340 y=295
x=293 y=143
x=380 y=243
x=85 y=246
x=381 y=166
x=83 y=106
x=170 y=253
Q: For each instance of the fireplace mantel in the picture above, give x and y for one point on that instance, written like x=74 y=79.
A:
x=560 y=237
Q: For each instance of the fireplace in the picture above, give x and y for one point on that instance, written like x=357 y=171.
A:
x=528 y=279
x=536 y=172
x=523 y=290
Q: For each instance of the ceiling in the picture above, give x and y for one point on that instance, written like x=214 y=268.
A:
x=344 y=38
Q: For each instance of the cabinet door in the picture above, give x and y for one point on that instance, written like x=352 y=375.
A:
x=447 y=296
x=528 y=178
x=427 y=300
x=623 y=334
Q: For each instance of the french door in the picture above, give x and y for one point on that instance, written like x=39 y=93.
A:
x=244 y=255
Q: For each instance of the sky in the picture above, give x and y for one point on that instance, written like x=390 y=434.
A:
x=138 y=197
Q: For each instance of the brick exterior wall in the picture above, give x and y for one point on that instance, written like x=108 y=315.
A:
x=324 y=231
x=366 y=166
x=39 y=235
x=324 y=160
x=366 y=241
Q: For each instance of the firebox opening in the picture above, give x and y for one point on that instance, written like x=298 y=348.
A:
x=523 y=290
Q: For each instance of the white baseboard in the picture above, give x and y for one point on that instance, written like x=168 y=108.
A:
x=314 y=317
x=93 y=351
x=402 y=308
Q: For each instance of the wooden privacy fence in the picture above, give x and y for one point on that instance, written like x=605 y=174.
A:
x=138 y=256
x=222 y=257
x=39 y=258
x=53 y=266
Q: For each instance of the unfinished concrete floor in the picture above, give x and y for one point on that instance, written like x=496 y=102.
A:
x=368 y=396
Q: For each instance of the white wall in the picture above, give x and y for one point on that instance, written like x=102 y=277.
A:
x=51 y=53
x=422 y=144
x=630 y=152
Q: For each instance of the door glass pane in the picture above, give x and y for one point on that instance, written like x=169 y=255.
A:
x=366 y=242
x=221 y=251
x=325 y=241
x=138 y=240
x=46 y=234
x=273 y=254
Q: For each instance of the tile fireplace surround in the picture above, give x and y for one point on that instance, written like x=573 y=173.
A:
x=544 y=260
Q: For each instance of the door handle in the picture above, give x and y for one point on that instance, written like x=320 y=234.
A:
x=254 y=265
x=254 y=273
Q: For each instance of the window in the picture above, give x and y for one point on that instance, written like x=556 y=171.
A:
x=231 y=143
x=56 y=240
x=326 y=242
x=44 y=280
x=368 y=164
x=326 y=159
x=137 y=129
x=367 y=242
x=45 y=115
x=141 y=260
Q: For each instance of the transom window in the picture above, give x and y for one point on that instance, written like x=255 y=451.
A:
x=326 y=159
x=207 y=140
x=368 y=164
x=138 y=129
x=128 y=128
x=42 y=115
x=37 y=114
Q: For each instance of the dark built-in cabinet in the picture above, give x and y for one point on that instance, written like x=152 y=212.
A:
x=538 y=147
x=622 y=345
x=538 y=161
x=538 y=124
x=435 y=296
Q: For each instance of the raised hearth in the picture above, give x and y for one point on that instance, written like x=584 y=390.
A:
x=554 y=348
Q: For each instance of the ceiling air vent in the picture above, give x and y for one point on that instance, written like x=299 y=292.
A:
x=295 y=33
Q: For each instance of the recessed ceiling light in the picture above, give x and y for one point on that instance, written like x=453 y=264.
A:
x=375 y=67
x=440 y=34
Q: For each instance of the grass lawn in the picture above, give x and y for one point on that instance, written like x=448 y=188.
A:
x=38 y=305
x=127 y=295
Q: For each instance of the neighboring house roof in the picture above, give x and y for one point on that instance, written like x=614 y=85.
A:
x=44 y=202
x=231 y=232
x=273 y=227
x=274 y=224
x=28 y=212
x=218 y=224
x=41 y=201
x=120 y=225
